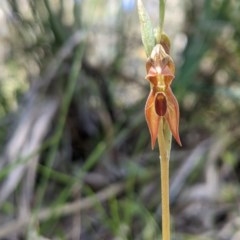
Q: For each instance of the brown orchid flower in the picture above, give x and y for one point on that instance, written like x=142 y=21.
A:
x=161 y=102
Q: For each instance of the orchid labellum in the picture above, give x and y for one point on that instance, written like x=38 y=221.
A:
x=161 y=102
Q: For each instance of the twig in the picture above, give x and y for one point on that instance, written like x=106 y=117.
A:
x=26 y=139
x=190 y=163
x=75 y=231
x=61 y=211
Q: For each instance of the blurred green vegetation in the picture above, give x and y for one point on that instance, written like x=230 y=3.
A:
x=87 y=56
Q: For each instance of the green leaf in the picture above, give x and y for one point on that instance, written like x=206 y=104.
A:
x=147 y=32
x=161 y=14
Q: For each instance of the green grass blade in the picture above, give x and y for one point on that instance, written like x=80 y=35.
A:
x=161 y=14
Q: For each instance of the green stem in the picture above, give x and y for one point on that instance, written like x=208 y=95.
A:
x=164 y=170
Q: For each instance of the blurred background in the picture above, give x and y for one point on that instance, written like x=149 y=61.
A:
x=75 y=155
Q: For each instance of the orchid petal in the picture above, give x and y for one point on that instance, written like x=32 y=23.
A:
x=152 y=76
x=167 y=71
x=151 y=72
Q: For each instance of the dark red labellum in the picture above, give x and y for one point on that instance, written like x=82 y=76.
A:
x=160 y=104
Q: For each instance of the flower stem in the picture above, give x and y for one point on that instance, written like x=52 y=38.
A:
x=164 y=170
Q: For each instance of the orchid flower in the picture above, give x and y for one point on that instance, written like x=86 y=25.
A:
x=161 y=102
x=161 y=109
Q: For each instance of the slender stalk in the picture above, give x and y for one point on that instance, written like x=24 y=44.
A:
x=164 y=170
